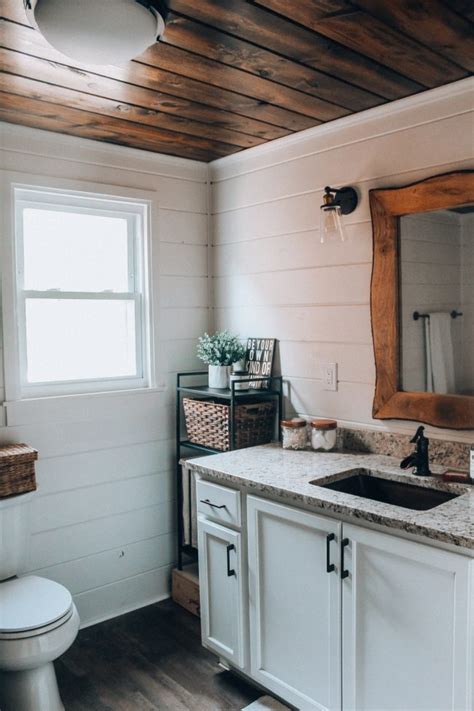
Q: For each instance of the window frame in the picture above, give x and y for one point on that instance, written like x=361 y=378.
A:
x=137 y=213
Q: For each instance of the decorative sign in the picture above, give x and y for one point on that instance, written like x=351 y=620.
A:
x=260 y=354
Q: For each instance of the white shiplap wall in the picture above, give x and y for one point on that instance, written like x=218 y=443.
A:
x=103 y=519
x=271 y=275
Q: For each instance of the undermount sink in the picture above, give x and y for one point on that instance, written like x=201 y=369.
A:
x=366 y=483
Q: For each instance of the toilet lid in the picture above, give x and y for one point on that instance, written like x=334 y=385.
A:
x=31 y=602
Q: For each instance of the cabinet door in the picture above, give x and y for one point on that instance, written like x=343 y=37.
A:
x=221 y=591
x=407 y=625
x=295 y=604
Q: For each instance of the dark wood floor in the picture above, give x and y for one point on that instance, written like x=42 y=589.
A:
x=147 y=660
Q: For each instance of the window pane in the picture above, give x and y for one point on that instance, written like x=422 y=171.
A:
x=83 y=339
x=74 y=251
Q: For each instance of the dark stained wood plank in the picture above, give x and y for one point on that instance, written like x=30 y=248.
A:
x=222 y=75
x=462 y=7
x=301 y=10
x=43 y=91
x=30 y=42
x=254 y=24
x=362 y=32
x=231 y=74
x=229 y=50
x=122 y=93
x=150 y=659
x=41 y=114
x=431 y=23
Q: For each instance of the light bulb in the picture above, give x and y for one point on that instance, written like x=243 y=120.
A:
x=331 y=228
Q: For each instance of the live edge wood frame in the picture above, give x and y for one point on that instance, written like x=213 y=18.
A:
x=387 y=205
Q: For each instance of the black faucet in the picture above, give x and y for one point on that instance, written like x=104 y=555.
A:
x=420 y=457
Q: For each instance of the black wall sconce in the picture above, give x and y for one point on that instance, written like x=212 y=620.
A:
x=336 y=202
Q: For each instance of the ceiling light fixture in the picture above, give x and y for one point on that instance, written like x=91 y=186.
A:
x=336 y=202
x=98 y=31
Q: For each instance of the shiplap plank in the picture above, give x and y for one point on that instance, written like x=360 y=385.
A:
x=82 y=436
x=178 y=324
x=348 y=284
x=86 y=469
x=67 y=508
x=182 y=227
x=178 y=356
x=91 y=537
x=121 y=597
x=331 y=324
x=291 y=251
x=183 y=259
x=183 y=292
x=111 y=566
x=305 y=359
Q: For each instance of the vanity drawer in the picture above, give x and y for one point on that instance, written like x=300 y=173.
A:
x=218 y=503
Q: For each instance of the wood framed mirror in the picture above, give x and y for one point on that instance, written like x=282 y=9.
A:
x=422 y=301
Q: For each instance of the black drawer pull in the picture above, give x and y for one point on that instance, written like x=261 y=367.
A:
x=344 y=543
x=230 y=571
x=330 y=567
x=214 y=506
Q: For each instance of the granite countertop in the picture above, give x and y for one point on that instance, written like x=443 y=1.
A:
x=270 y=471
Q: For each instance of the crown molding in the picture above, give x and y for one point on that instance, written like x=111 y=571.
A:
x=462 y=89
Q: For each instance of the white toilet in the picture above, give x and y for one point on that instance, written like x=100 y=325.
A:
x=38 y=619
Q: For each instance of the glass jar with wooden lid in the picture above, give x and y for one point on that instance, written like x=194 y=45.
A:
x=294 y=434
x=323 y=435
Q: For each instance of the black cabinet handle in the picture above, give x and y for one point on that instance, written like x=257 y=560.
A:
x=214 y=506
x=330 y=567
x=230 y=571
x=344 y=543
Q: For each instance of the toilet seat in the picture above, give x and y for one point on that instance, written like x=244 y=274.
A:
x=30 y=606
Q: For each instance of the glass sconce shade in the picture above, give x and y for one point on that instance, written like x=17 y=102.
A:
x=331 y=228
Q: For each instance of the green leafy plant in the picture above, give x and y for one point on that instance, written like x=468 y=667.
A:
x=220 y=349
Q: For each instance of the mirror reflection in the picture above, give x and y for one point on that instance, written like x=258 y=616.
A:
x=437 y=301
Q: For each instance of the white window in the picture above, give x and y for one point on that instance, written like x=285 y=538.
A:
x=81 y=292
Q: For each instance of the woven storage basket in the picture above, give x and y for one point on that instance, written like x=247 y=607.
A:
x=208 y=423
x=17 y=469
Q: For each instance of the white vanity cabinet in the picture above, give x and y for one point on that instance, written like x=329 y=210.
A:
x=338 y=617
x=407 y=625
x=295 y=604
x=222 y=572
x=222 y=591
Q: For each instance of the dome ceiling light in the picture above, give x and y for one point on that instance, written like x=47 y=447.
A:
x=98 y=31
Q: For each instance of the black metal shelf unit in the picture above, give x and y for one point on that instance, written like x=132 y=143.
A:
x=274 y=389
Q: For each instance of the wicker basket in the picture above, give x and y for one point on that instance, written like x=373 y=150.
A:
x=208 y=423
x=17 y=469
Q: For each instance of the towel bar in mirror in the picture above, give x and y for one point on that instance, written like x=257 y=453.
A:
x=422 y=284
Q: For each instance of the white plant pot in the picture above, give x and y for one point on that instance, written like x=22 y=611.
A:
x=218 y=376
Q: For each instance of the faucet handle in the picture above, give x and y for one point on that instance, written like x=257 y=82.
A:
x=418 y=435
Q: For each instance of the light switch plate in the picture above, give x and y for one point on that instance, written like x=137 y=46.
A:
x=329 y=376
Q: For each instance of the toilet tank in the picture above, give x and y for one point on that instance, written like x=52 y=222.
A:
x=14 y=534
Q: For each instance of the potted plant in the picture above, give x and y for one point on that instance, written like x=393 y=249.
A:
x=219 y=351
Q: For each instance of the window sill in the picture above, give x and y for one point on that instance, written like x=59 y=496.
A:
x=77 y=407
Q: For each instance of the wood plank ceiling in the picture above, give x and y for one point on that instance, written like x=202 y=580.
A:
x=231 y=74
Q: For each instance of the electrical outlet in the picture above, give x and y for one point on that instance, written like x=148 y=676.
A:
x=329 y=376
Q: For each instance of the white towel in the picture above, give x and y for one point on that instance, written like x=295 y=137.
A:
x=439 y=354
